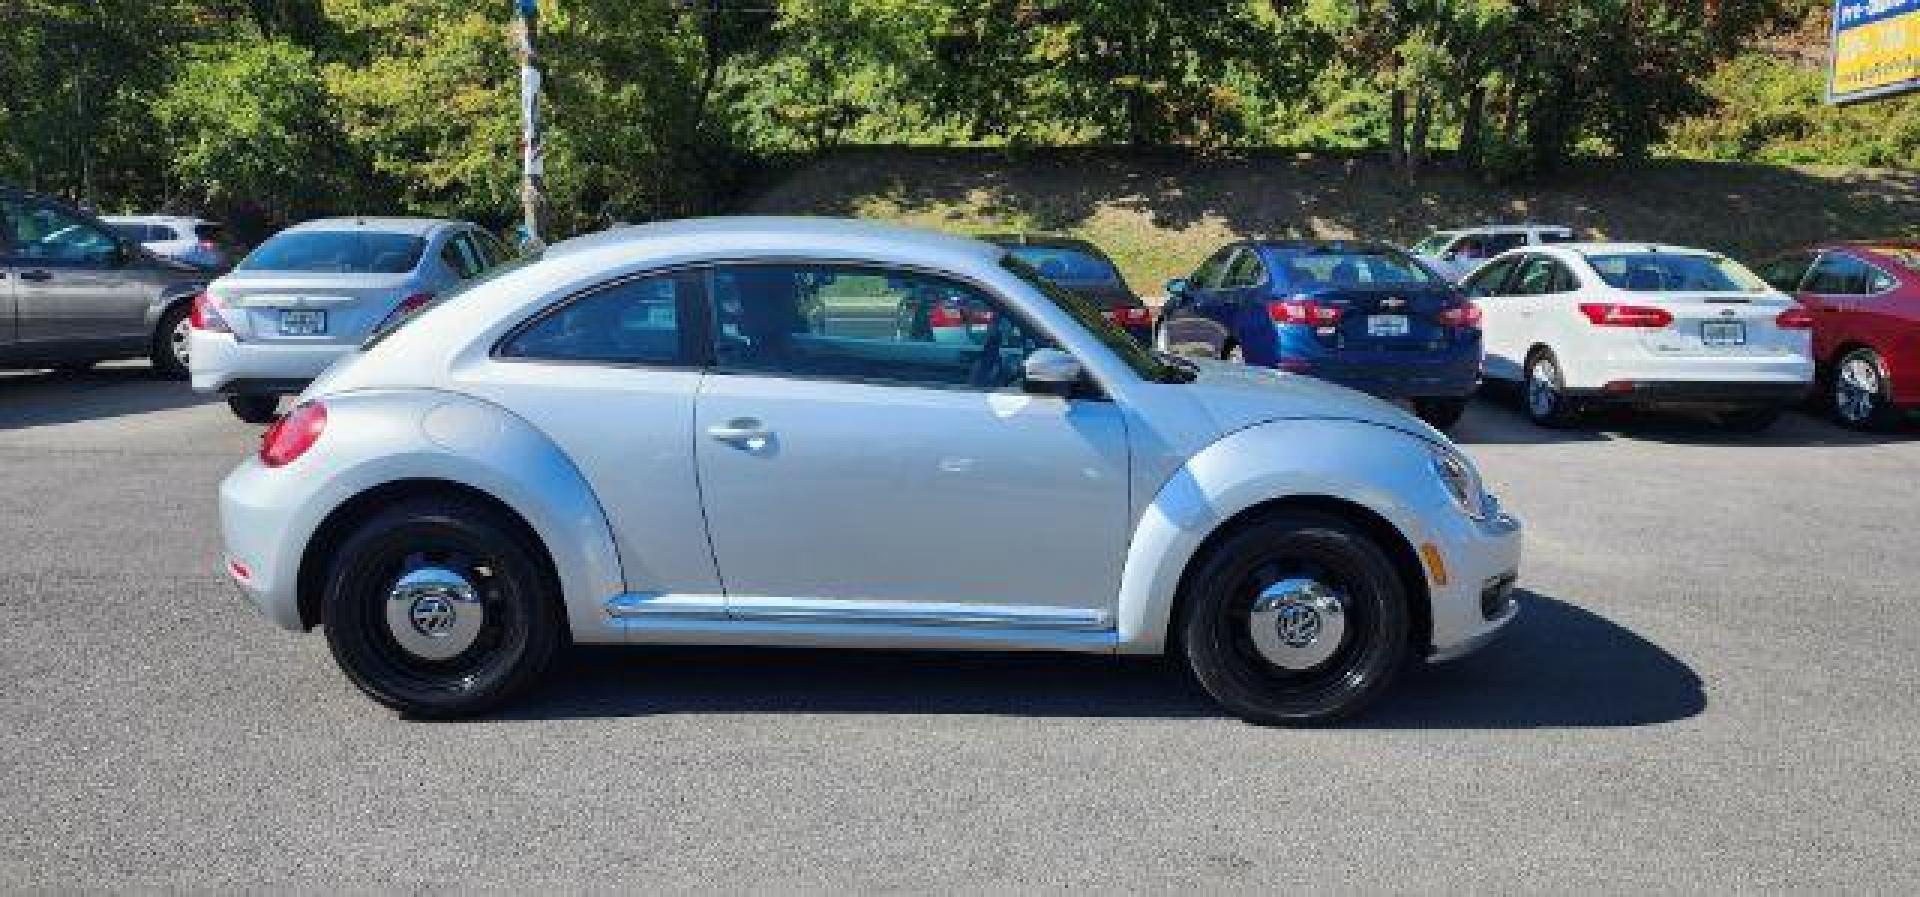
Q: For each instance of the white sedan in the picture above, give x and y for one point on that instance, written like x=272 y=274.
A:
x=1632 y=323
x=711 y=432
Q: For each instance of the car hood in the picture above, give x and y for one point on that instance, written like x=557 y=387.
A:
x=1237 y=396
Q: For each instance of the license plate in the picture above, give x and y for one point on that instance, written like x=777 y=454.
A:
x=1387 y=325
x=1723 y=333
x=302 y=322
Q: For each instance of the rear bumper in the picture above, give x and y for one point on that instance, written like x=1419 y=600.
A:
x=1411 y=380
x=1704 y=392
x=222 y=364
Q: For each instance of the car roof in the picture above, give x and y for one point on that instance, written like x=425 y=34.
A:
x=1509 y=229
x=418 y=227
x=153 y=219
x=1325 y=245
x=809 y=236
x=1611 y=247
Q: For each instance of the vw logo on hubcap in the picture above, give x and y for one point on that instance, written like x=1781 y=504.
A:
x=1299 y=625
x=433 y=616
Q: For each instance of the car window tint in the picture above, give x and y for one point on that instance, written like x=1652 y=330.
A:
x=1563 y=279
x=864 y=324
x=460 y=255
x=47 y=234
x=1208 y=275
x=1491 y=280
x=1244 y=271
x=631 y=322
x=337 y=252
x=1786 y=274
x=1838 y=274
x=1661 y=272
x=1535 y=277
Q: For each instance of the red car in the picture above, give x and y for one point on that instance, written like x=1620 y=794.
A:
x=1865 y=299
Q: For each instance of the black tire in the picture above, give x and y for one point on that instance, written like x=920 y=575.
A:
x=1374 y=622
x=1441 y=413
x=1861 y=393
x=168 y=352
x=1543 y=393
x=254 y=409
x=518 y=626
x=1752 y=420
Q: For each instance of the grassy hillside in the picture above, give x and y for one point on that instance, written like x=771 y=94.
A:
x=1160 y=213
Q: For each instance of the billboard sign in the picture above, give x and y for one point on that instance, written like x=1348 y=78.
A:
x=1876 y=49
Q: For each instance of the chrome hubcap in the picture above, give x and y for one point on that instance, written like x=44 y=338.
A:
x=1541 y=392
x=1856 y=389
x=178 y=340
x=434 y=613
x=1297 y=624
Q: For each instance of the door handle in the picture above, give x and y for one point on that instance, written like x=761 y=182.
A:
x=743 y=431
x=36 y=275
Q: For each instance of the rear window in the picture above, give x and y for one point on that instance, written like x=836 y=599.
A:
x=1065 y=264
x=1350 y=268
x=1655 y=272
x=337 y=252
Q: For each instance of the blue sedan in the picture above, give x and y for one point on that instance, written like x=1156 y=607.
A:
x=1362 y=315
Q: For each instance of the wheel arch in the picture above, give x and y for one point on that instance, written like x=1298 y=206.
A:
x=317 y=558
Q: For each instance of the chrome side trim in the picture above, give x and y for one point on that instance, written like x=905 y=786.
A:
x=833 y=611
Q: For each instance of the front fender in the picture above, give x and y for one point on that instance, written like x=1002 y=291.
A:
x=1387 y=471
x=377 y=438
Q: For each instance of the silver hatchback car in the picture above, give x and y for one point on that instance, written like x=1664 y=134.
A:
x=712 y=432
x=316 y=290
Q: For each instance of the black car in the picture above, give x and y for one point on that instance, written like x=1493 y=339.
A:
x=74 y=292
x=1080 y=266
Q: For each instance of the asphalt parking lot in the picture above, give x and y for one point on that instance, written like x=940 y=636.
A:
x=1713 y=685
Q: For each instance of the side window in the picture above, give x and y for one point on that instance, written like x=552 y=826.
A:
x=1535 y=277
x=1838 y=274
x=1785 y=274
x=1563 y=280
x=43 y=233
x=864 y=324
x=459 y=254
x=1491 y=279
x=631 y=322
x=1246 y=270
x=1209 y=274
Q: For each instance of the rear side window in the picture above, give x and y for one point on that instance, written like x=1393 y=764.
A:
x=1245 y=271
x=337 y=252
x=1839 y=274
x=462 y=257
x=638 y=321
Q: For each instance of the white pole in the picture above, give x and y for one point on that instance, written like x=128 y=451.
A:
x=533 y=162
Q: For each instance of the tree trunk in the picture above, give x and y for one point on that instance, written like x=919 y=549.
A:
x=1417 y=139
x=1471 y=124
x=1397 y=129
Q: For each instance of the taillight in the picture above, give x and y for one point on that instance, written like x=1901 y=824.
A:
x=1463 y=316
x=946 y=315
x=1795 y=318
x=1303 y=311
x=291 y=436
x=1607 y=314
x=205 y=315
x=1129 y=316
x=400 y=312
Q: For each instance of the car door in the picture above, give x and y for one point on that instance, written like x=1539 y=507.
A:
x=1243 y=286
x=72 y=283
x=851 y=473
x=1502 y=327
x=1840 y=288
x=1188 y=330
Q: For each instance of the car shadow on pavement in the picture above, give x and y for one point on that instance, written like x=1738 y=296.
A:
x=1494 y=420
x=1559 y=666
x=38 y=399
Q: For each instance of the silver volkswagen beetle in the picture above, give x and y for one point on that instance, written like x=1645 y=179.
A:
x=713 y=432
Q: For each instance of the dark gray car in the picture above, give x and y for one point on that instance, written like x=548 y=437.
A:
x=73 y=292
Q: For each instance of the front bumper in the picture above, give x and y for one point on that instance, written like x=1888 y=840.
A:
x=1481 y=561
x=219 y=363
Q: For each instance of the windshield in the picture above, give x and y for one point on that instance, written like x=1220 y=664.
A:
x=1305 y=270
x=1433 y=245
x=1153 y=366
x=1656 y=272
x=1066 y=264
x=336 y=252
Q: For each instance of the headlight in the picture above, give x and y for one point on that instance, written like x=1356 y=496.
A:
x=1462 y=482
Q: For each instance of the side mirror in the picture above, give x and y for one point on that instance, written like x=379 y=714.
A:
x=1050 y=372
x=1177 y=286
